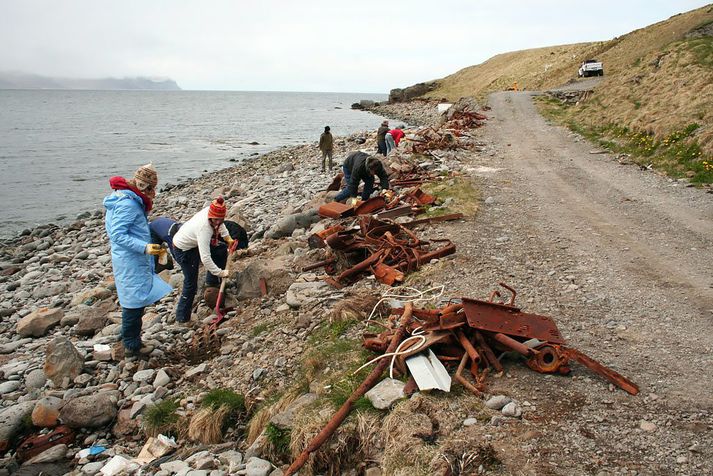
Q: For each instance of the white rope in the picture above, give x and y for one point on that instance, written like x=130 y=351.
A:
x=414 y=297
x=396 y=353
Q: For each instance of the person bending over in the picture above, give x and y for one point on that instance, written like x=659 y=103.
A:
x=358 y=167
x=192 y=244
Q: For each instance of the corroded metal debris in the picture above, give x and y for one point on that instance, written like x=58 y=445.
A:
x=475 y=333
x=387 y=250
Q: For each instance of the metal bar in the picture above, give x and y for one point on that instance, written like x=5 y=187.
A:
x=609 y=374
x=511 y=343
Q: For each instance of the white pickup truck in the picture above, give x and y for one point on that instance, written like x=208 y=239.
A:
x=590 y=68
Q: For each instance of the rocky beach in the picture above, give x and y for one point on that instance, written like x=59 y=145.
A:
x=284 y=360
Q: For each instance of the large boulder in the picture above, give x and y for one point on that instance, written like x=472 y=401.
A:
x=286 y=225
x=276 y=273
x=37 y=323
x=93 y=318
x=62 y=360
x=90 y=411
x=406 y=94
x=11 y=420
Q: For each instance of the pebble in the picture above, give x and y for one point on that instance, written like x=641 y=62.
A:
x=647 y=426
x=497 y=402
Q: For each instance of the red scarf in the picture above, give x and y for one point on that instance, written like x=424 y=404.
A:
x=120 y=183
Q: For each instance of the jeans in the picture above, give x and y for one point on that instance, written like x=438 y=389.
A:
x=189 y=261
x=390 y=144
x=327 y=154
x=131 y=328
x=381 y=147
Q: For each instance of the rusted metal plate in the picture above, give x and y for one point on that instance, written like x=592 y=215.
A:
x=335 y=210
x=509 y=320
x=370 y=206
x=34 y=445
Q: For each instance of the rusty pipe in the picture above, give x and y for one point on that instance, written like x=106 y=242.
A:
x=512 y=344
x=363 y=266
x=344 y=410
x=470 y=350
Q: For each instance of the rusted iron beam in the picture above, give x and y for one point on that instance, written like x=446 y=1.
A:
x=609 y=374
x=343 y=412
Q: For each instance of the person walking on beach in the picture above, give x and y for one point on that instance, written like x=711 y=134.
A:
x=326 y=145
x=381 y=137
x=195 y=242
x=132 y=253
x=360 y=166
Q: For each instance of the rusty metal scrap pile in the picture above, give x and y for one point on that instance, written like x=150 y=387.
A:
x=388 y=250
x=451 y=135
x=475 y=334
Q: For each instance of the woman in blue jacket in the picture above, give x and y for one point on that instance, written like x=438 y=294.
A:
x=131 y=252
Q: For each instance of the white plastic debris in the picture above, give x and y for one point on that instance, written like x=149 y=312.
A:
x=428 y=372
x=117 y=465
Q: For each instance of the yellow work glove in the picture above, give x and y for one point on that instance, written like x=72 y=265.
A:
x=152 y=249
x=229 y=240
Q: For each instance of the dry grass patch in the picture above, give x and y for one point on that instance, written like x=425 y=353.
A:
x=354 y=442
x=460 y=193
x=543 y=68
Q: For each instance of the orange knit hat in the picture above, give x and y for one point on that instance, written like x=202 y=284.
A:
x=217 y=208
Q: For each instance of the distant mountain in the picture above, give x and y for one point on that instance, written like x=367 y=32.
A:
x=16 y=80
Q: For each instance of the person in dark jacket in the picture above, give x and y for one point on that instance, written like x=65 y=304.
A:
x=360 y=166
x=326 y=145
x=381 y=137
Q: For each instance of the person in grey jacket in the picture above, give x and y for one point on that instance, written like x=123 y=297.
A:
x=358 y=167
x=381 y=137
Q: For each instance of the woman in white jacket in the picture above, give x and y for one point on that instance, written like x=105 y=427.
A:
x=192 y=245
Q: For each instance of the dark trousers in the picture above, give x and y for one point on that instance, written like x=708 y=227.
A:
x=131 y=328
x=189 y=261
x=381 y=147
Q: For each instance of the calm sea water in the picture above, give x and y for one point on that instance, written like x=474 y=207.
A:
x=58 y=148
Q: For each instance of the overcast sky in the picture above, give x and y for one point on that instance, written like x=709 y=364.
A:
x=268 y=45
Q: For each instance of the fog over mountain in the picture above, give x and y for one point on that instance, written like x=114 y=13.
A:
x=17 y=80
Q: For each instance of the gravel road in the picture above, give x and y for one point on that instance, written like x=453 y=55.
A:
x=619 y=257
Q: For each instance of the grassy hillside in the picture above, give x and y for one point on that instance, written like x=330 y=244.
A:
x=657 y=90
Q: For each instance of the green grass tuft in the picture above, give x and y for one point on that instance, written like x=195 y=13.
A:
x=678 y=154
x=219 y=397
x=279 y=439
x=161 y=418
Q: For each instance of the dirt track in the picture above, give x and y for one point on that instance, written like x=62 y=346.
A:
x=619 y=257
